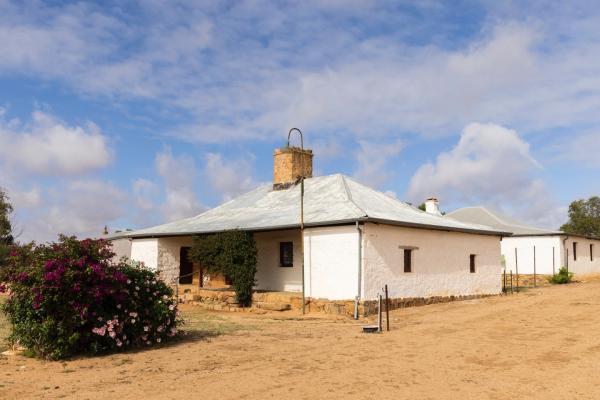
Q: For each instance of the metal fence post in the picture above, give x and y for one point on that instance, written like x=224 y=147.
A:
x=534 y=269
x=517 y=268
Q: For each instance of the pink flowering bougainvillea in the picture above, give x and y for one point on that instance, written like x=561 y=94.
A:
x=69 y=297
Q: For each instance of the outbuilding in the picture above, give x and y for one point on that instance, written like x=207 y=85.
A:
x=532 y=250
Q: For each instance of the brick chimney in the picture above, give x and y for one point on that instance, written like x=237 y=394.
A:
x=289 y=164
x=432 y=206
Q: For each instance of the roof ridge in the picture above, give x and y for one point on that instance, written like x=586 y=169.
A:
x=491 y=214
x=349 y=194
x=515 y=223
x=510 y=223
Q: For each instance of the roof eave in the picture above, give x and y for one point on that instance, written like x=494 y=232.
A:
x=133 y=235
x=437 y=227
x=556 y=234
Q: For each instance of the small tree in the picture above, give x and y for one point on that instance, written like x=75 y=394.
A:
x=231 y=253
x=6 y=238
x=584 y=217
x=562 y=277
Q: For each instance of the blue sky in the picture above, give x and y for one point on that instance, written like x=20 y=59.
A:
x=129 y=114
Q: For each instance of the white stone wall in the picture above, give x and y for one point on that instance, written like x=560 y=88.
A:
x=546 y=247
x=169 y=249
x=269 y=275
x=146 y=251
x=160 y=254
x=121 y=248
x=440 y=264
x=331 y=262
x=584 y=264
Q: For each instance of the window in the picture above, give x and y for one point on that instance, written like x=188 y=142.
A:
x=286 y=254
x=407 y=260
x=472 y=263
x=574 y=251
x=591 y=252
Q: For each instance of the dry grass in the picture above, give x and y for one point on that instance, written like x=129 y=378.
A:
x=539 y=344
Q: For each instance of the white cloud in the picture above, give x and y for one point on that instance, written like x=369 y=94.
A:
x=372 y=161
x=41 y=162
x=80 y=207
x=582 y=148
x=490 y=165
x=229 y=177
x=145 y=193
x=252 y=70
x=174 y=195
x=178 y=174
x=27 y=198
x=47 y=146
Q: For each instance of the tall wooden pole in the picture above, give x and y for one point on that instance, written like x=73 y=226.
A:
x=387 y=309
x=302 y=173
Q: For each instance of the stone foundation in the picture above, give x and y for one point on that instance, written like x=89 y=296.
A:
x=370 y=306
x=224 y=300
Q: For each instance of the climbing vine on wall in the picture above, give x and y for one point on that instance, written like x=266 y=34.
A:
x=231 y=253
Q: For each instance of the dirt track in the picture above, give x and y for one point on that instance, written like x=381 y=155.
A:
x=544 y=344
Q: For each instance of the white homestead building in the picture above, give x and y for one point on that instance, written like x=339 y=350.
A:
x=534 y=250
x=356 y=240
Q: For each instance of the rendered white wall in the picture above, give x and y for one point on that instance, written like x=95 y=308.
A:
x=331 y=262
x=440 y=265
x=524 y=245
x=269 y=275
x=584 y=264
x=146 y=251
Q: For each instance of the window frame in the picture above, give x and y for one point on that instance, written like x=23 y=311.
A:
x=472 y=263
x=407 y=255
x=574 y=251
x=282 y=249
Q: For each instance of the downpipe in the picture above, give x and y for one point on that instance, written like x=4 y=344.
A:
x=357 y=298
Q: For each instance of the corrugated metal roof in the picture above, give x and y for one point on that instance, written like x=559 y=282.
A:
x=328 y=200
x=485 y=216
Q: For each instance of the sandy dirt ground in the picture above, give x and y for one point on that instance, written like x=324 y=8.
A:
x=541 y=344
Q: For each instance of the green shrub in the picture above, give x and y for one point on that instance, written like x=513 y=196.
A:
x=68 y=297
x=563 y=276
x=231 y=253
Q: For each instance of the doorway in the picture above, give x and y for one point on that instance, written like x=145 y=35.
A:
x=186 y=267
